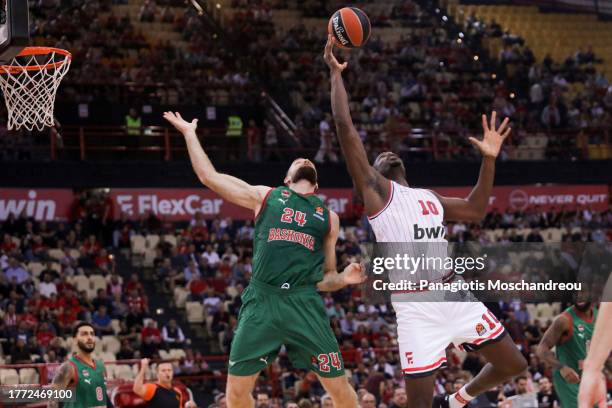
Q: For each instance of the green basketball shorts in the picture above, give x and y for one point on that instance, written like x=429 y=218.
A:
x=295 y=317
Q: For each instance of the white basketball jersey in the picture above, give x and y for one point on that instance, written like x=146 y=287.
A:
x=412 y=220
x=411 y=215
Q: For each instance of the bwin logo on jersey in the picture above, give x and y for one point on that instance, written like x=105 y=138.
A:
x=429 y=233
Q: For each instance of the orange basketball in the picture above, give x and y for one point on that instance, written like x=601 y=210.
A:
x=350 y=27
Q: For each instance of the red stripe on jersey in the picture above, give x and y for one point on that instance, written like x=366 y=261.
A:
x=438 y=363
x=371 y=217
x=263 y=204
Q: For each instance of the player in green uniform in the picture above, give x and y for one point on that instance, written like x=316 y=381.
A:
x=294 y=254
x=83 y=373
x=570 y=334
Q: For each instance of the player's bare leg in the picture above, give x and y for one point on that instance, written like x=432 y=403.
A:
x=504 y=361
x=420 y=391
x=341 y=392
x=239 y=390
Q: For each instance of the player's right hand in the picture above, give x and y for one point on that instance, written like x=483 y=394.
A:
x=569 y=375
x=354 y=274
x=330 y=59
x=144 y=363
x=181 y=124
x=592 y=390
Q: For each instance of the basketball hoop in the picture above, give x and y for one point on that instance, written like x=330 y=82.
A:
x=30 y=84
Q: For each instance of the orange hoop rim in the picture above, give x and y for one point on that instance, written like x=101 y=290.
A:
x=29 y=51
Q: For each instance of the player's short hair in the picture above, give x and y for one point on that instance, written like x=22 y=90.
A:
x=162 y=363
x=75 y=330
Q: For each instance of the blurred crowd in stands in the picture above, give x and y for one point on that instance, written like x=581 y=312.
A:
x=436 y=74
x=44 y=265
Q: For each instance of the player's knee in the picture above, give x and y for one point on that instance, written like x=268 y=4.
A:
x=519 y=365
x=345 y=397
x=236 y=395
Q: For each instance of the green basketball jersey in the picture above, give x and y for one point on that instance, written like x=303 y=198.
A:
x=90 y=385
x=572 y=353
x=288 y=239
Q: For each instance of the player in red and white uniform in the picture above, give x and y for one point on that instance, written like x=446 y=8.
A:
x=399 y=213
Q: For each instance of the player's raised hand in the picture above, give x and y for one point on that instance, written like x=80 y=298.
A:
x=181 y=124
x=144 y=363
x=491 y=143
x=592 y=390
x=330 y=58
x=354 y=274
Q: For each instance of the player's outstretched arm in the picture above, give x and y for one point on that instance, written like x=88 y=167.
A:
x=551 y=338
x=474 y=206
x=593 y=386
x=353 y=274
x=370 y=184
x=61 y=380
x=230 y=188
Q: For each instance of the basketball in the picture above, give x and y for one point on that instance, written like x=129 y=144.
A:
x=350 y=27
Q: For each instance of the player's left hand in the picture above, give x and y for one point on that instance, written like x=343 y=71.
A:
x=491 y=143
x=354 y=274
x=330 y=59
x=592 y=390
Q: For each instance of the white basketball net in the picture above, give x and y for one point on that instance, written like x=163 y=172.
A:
x=30 y=93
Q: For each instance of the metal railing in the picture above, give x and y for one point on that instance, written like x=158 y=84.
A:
x=161 y=143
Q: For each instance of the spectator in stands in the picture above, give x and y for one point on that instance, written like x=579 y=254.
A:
x=44 y=336
x=15 y=272
x=400 y=399
x=326 y=149
x=547 y=398
x=102 y=321
x=172 y=334
x=521 y=388
x=271 y=143
x=197 y=287
x=28 y=318
x=212 y=257
x=102 y=299
x=56 y=346
x=551 y=117
x=212 y=301
x=20 y=353
x=135 y=316
x=126 y=352
x=263 y=400
x=367 y=400
x=151 y=331
x=47 y=286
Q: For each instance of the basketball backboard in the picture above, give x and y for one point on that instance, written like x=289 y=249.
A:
x=14 y=28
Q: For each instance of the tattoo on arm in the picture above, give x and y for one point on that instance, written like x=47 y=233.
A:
x=551 y=338
x=61 y=379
